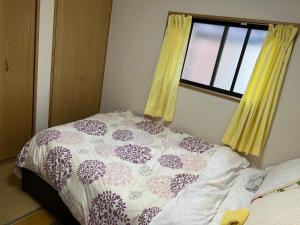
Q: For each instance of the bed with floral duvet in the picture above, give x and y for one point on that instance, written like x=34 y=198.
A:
x=116 y=168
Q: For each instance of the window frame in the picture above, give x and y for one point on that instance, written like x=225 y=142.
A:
x=227 y=25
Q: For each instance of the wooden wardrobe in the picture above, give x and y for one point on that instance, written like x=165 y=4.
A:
x=17 y=51
x=81 y=33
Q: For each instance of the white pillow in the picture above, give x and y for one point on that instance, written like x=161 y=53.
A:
x=278 y=209
x=238 y=196
x=280 y=176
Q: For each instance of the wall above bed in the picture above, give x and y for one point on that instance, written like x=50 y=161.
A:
x=136 y=34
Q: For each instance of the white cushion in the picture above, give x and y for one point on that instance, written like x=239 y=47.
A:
x=280 y=176
x=276 y=209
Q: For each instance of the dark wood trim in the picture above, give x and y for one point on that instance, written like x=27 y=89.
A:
x=206 y=91
x=225 y=21
x=12 y=159
x=37 y=30
x=235 y=19
x=52 y=61
x=226 y=28
x=211 y=88
x=240 y=60
x=103 y=72
x=219 y=55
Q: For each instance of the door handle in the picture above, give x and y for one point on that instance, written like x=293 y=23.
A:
x=6 y=65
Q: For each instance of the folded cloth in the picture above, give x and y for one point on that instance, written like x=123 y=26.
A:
x=235 y=217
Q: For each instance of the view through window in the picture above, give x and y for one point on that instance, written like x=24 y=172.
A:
x=221 y=55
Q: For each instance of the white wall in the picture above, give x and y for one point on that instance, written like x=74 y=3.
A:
x=44 y=63
x=136 y=34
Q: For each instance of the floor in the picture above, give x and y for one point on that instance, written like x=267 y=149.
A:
x=14 y=203
x=38 y=217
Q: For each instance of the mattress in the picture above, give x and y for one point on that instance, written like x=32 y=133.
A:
x=281 y=208
x=116 y=168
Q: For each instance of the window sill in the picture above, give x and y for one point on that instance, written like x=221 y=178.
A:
x=206 y=91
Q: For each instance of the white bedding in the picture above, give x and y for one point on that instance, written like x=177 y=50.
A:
x=282 y=208
x=122 y=169
x=238 y=196
x=280 y=176
x=198 y=203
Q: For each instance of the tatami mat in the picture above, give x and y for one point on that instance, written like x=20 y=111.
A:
x=14 y=203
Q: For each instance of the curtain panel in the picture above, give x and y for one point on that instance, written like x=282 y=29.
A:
x=250 y=126
x=162 y=97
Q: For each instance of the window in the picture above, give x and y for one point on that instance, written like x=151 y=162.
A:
x=221 y=55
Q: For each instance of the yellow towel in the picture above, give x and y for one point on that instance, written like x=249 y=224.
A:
x=235 y=217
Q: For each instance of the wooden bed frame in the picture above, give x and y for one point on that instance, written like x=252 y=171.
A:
x=42 y=192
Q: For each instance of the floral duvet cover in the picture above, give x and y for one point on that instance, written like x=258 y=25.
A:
x=116 y=168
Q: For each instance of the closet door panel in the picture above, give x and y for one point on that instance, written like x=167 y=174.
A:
x=17 y=75
x=64 y=80
x=2 y=60
x=80 y=47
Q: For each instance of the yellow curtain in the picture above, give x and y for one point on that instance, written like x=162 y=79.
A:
x=162 y=97
x=250 y=126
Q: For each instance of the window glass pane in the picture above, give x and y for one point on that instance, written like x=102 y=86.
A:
x=230 y=57
x=202 y=52
x=252 y=51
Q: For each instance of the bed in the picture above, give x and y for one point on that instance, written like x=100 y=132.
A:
x=121 y=168
x=277 y=199
x=257 y=197
x=47 y=196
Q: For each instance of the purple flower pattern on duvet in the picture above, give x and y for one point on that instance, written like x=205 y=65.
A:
x=137 y=114
x=160 y=186
x=180 y=181
x=193 y=162
x=128 y=123
x=46 y=136
x=142 y=138
x=108 y=208
x=176 y=130
x=132 y=166
x=150 y=127
x=134 y=153
x=92 y=127
x=122 y=135
x=147 y=215
x=194 y=144
x=171 y=161
x=117 y=174
x=58 y=167
x=170 y=142
x=133 y=195
x=145 y=170
x=70 y=138
x=90 y=171
x=105 y=150
x=22 y=156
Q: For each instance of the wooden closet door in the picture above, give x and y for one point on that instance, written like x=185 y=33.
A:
x=80 y=47
x=16 y=75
